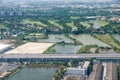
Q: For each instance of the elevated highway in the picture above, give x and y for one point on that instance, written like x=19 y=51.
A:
x=35 y=57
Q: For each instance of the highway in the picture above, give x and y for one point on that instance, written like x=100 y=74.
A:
x=60 y=56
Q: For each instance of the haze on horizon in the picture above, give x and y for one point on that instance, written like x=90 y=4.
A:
x=65 y=0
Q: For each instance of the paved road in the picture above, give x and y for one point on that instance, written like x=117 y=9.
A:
x=84 y=56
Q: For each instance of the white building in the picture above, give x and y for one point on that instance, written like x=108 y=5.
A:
x=4 y=47
x=75 y=71
x=79 y=71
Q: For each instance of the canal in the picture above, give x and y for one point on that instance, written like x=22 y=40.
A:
x=29 y=73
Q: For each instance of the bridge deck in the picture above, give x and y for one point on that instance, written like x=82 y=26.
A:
x=105 y=56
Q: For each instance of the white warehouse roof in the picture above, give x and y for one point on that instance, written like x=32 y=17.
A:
x=4 y=47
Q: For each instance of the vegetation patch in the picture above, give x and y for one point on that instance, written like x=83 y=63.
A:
x=102 y=23
x=87 y=49
x=59 y=74
x=50 y=50
x=71 y=24
x=90 y=23
x=55 y=24
x=2 y=26
x=37 y=23
x=85 y=24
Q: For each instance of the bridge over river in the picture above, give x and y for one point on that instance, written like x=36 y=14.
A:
x=36 y=57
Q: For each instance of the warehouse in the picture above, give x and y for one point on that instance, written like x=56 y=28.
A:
x=4 y=47
x=111 y=71
x=96 y=73
x=79 y=70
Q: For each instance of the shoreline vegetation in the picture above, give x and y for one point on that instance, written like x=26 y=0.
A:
x=13 y=72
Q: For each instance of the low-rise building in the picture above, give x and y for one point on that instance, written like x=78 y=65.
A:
x=76 y=71
x=79 y=71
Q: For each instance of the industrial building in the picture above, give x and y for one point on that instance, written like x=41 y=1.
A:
x=86 y=66
x=5 y=47
x=75 y=71
x=96 y=73
x=111 y=71
x=79 y=70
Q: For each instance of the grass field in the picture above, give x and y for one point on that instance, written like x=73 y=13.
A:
x=85 y=24
x=71 y=24
x=38 y=23
x=109 y=40
x=55 y=24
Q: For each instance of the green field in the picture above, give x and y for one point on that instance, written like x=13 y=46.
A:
x=86 y=49
x=85 y=24
x=38 y=23
x=71 y=24
x=53 y=22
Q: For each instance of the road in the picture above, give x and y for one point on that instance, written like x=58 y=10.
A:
x=59 y=56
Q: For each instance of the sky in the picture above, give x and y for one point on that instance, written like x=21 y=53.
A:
x=65 y=0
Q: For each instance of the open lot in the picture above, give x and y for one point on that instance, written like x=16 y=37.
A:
x=31 y=48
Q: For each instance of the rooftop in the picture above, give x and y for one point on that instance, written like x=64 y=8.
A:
x=111 y=71
x=86 y=65
x=96 y=73
x=3 y=46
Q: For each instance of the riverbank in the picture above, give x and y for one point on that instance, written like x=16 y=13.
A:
x=13 y=72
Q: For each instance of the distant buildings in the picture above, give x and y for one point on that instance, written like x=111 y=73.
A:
x=12 y=13
x=117 y=19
